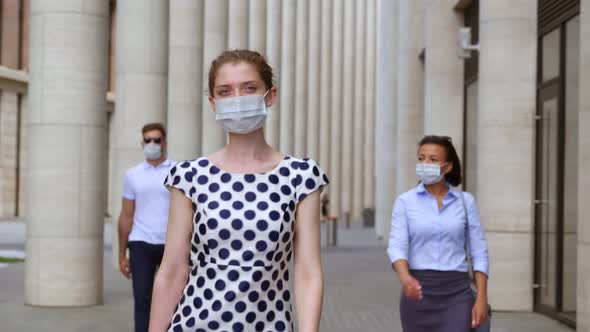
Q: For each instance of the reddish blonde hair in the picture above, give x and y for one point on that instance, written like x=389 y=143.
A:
x=235 y=56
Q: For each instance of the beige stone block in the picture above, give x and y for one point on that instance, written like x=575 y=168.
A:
x=506 y=45
x=68 y=271
x=93 y=181
x=502 y=209
x=583 y=288
x=584 y=176
x=54 y=177
x=138 y=104
x=508 y=9
x=570 y=266
x=90 y=7
x=511 y=271
x=142 y=37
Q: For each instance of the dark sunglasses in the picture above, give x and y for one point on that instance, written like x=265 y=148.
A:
x=148 y=140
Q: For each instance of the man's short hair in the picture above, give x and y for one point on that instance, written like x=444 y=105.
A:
x=154 y=126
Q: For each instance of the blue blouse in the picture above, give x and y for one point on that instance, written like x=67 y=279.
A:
x=430 y=238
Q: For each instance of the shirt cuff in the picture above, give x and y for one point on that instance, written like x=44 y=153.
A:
x=395 y=255
x=482 y=267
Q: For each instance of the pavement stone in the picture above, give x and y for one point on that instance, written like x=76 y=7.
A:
x=361 y=295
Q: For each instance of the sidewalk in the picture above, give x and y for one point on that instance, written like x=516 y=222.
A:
x=362 y=295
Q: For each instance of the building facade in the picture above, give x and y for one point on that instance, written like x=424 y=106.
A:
x=516 y=111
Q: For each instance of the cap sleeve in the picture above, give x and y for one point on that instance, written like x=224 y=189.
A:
x=181 y=177
x=312 y=178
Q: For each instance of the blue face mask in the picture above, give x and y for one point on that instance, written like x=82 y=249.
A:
x=429 y=173
x=241 y=114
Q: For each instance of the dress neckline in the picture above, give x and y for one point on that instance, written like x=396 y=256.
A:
x=272 y=170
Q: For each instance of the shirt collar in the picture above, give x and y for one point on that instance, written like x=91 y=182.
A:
x=165 y=163
x=421 y=189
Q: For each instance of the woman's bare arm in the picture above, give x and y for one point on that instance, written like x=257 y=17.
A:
x=172 y=275
x=308 y=275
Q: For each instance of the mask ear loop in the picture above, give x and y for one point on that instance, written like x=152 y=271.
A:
x=264 y=96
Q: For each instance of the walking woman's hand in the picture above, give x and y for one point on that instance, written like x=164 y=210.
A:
x=411 y=288
x=479 y=313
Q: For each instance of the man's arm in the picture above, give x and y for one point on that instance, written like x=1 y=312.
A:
x=125 y=225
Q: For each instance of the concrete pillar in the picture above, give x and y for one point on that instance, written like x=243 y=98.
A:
x=273 y=55
x=257 y=27
x=215 y=41
x=314 y=80
x=185 y=84
x=64 y=247
x=583 y=288
x=410 y=90
x=443 y=91
x=301 y=82
x=348 y=78
x=386 y=107
x=237 y=31
x=141 y=92
x=287 y=84
x=10 y=34
x=336 y=93
x=358 y=154
x=325 y=92
x=369 y=141
x=506 y=105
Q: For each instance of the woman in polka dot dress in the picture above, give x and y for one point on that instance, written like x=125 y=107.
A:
x=238 y=218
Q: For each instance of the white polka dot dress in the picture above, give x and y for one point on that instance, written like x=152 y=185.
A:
x=242 y=243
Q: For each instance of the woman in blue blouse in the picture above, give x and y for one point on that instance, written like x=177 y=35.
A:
x=429 y=231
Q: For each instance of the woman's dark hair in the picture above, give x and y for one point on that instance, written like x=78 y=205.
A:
x=454 y=177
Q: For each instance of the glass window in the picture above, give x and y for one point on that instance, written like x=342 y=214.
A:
x=550 y=56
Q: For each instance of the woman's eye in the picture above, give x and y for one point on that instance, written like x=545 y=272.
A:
x=251 y=89
x=223 y=92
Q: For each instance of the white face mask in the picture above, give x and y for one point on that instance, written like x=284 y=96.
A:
x=152 y=151
x=429 y=173
x=241 y=114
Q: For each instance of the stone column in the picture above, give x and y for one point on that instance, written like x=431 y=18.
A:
x=443 y=91
x=314 y=80
x=358 y=154
x=348 y=107
x=583 y=284
x=141 y=88
x=337 y=49
x=300 y=103
x=215 y=41
x=410 y=90
x=257 y=27
x=385 y=124
x=67 y=156
x=287 y=84
x=369 y=142
x=185 y=84
x=273 y=54
x=506 y=105
x=237 y=34
x=325 y=91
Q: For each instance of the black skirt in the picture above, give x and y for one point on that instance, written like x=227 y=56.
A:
x=446 y=304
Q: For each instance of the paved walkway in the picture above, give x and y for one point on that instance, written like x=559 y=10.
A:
x=361 y=296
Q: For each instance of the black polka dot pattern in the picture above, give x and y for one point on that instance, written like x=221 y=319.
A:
x=241 y=244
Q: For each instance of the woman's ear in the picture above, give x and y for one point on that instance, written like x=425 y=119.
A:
x=212 y=102
x=271 y=98
x=448 y=168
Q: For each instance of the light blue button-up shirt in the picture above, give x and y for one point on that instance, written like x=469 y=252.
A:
x=430 y=238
